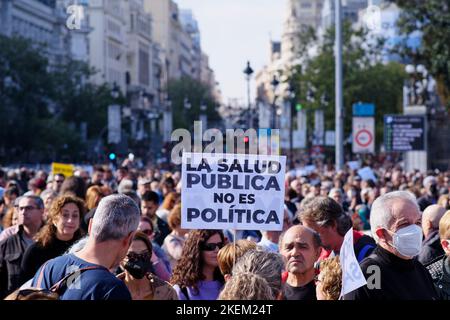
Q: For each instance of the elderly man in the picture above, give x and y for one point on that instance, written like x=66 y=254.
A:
x=31 y=209
x=391 y=271
x=326 y=217
x=440 y=268
x=300 y=246
x=432 y=193
x=111 y=232
x=431 y=246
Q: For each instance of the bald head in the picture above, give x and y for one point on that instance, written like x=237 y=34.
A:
x=431 y=217
x=301 y=232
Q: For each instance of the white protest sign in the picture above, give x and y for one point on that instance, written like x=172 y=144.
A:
x=366 y=173
x=232 y=191
x=353 y=165
x=352 y=276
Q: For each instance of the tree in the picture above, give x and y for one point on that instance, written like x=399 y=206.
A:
x=42 y=106
x=195 y=94
x=366 y=79
x=432 y=19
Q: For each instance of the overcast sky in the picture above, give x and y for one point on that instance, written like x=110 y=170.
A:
x=234 y=31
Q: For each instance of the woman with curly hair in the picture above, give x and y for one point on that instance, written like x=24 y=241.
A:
x=329 y=281
x=60 y=232
x=197 y=275
x=246 y=286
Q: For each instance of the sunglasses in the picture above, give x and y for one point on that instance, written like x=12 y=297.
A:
x=148 y=232
x=133 y=256
x=211 y=246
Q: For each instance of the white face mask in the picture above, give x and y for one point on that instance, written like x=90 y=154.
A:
x=408 y=240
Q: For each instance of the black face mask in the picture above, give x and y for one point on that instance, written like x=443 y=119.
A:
x=138 y=268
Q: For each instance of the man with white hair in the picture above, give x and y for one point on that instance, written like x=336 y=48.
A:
x=432 y=193
x=431 y=246
x=87 y=271
x=391 y=271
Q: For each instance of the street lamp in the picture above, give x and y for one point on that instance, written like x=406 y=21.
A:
x=274 y=83
x=248 y=72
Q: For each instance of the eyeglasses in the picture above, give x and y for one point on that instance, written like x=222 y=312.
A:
x=27 y=208
x=148 y=232
x=137 y=256
x=211 y=246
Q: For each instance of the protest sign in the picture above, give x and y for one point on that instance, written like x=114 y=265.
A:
x=232 y=191
x=353 y=165
x=65 y=169
x=352 y=276
x=366 y=173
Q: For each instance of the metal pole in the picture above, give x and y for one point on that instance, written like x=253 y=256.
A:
x=291 y=138
x=339 y=97
x=249 y=118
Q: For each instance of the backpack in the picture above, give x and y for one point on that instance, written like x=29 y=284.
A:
x=54 y=293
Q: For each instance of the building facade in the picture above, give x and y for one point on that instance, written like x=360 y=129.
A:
x=44 y=23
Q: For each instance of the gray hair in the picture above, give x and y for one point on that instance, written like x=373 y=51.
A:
x=246 y=286
x=78 y=246
x=333 y=190
x=47 y=193
x=268 y=265
x=115 y=218
x=37 y=200
x=381 y=211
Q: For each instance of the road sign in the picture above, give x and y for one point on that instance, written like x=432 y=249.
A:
x=363 y=109
x=363 y=135
x=404 y=133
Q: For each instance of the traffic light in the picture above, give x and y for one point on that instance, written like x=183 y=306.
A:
x=246 y=139
x=298 y=107
x=112 y=156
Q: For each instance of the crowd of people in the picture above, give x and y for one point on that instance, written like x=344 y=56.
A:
x=117 y=234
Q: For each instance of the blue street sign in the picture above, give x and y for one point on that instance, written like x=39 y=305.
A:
x=363 y=109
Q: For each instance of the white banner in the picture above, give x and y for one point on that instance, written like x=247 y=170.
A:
x=232 y=191
x=114 y=124
x=352 y=275
x=319 y=128
x=299 y=139
x=363 y=135
x=330 y=138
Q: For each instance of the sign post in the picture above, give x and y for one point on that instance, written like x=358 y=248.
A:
x=363 y=135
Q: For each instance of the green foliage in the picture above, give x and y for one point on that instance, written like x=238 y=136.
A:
x=196 y=94
x=366 y=79
x=42 y=106
x=432 y=19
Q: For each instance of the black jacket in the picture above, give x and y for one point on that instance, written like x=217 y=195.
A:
x=11 y=253
x=36 y=255
x=397 y=279
x=431 y=248
x=440 y=272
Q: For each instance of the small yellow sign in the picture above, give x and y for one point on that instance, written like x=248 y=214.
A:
x=65 y=169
